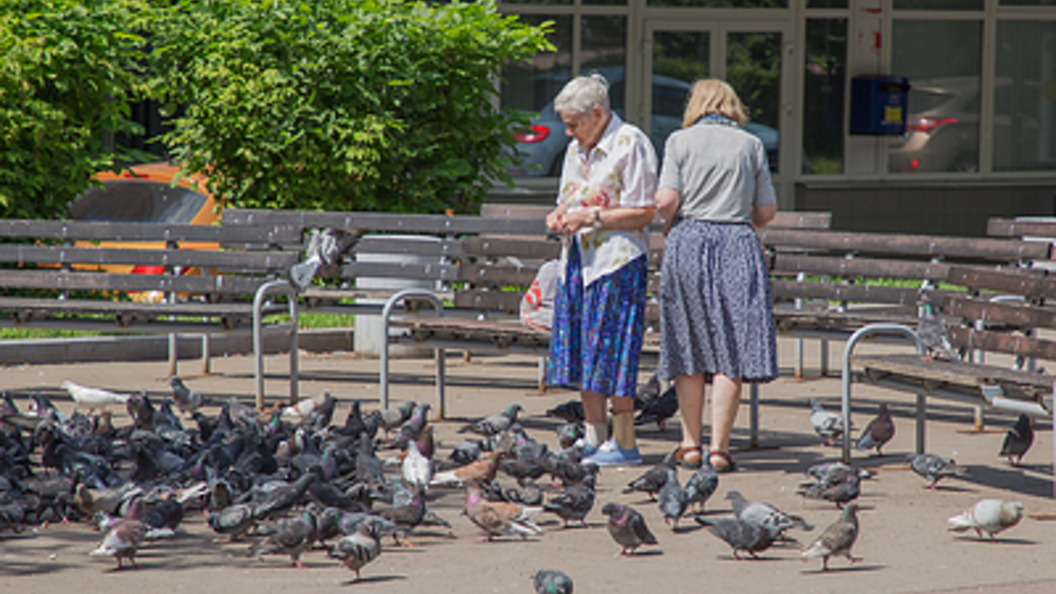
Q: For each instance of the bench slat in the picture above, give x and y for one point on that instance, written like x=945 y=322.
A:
x=957 y=372
x=496 y=275
x=793 y=263
x=491 y=247
x=93 y=281
x=849 y=293
x=1003 y=342
x=110 y=231
x=1010 y=314
x=265 y=261
x=101 y=306
x=918 y=245
x=404 y=270
x=1021 y=281
x=389 y=222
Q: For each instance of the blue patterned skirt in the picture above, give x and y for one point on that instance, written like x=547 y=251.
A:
x=596 y=337
x=716 y=314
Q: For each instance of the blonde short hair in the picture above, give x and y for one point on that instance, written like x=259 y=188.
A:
x=711 y=95
x=582 y=94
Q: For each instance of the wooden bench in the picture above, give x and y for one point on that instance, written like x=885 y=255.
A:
x=81 y=275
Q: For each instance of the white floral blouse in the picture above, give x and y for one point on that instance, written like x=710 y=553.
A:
x=621 y=170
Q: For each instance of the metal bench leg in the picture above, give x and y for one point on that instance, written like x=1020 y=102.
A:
x=753 y=416
x=922 y=403
x=823 y=354
x=206 y=353
x=441 y=368
x=277 y=286
x=542 y=375
x=173 y=346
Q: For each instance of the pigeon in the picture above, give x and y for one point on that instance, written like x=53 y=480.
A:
x=701 y=485
x=569 y=412
x=765 y=514
x=826 y=424
x=840 y=485
x=233 y=520
x=186 y=399
x=361 y=547
x=931 y=329
x=878 y=432
x=291 y=536
x=412 y=428
x=416 y=468
x=284 y=497
x=672 y=499
x=494 y=424
x=989 y=515
x=551 y=581
x=934 y=468
x=499 y=519
x=575 y=502
x=527 y=492
x=652 y=480
x=481 y=470
x=124 y=538
x=465 y=452
x=405 y=514
x=647 y=392
x=627 y=527
x=741 y=535
x=392 y=418
x=1018 y=440
x=93 y=398
x=299 y=412
x=324 y=249
x=110 y=500
x=569 y=433
x=837 y=539
x=660 y=410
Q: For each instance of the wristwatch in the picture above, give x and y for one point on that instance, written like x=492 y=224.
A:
x=597 y=219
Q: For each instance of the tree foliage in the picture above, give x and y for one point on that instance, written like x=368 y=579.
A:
x=69 y=71
x=340 y=104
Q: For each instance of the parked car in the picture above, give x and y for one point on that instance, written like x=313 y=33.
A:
x=146 y=194
x=543 y=143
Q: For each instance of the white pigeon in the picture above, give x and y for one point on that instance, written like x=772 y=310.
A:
x=989 y=515
x=826 y=424
x=416 y=468
x=93 y=398
x=300 y=411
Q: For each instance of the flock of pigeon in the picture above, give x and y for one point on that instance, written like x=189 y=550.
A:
x=289 y=480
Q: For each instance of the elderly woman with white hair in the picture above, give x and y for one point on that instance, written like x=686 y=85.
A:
x=605 y=201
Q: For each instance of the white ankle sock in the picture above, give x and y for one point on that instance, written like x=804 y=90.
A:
x=596 y=433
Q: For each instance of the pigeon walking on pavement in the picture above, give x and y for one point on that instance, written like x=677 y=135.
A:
x=186 y=399
x=765 y=514
x=551 y=581
x=494 y=424
x=93 y=398
x=575 y=502
x=652 y=480
x=934 y=468
x=627 y=527
x=659 y=410
x=124 y=538
x=837 y=539
x=290 y=536
x=741 y=535
x=989 y=515
x=569 y=412
x=702 y=484
x=361 y=547
x=500 y=519
x=878 y=432
x=1018 y=440
x=826 y=424
x=672 y=499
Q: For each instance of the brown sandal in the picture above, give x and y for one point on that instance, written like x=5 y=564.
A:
x=728 y=465
x=689 y=457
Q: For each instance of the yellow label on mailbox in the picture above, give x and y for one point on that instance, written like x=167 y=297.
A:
x=892 y=115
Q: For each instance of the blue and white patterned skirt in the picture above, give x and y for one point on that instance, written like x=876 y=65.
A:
x=716 y=314
x=596 y=338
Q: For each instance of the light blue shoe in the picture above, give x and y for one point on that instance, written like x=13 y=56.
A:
x=581 y=446
x=611 y=454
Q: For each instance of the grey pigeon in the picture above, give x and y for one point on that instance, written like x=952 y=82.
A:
x=186 y=399
x=1018 y=440
x=551 y=581
x=361 y=547
x=702 y=484
x=465 y=452
x=934 y=468
x=575 y=502
x=570 y=412
x=659 y=410
x=234 y=520
x=989 y=515
x=839 y=486
x=765 y=514
x=825 y=472
x=124 y=538
x=569 y=433
x=837 y=539
x=324 y=249
x=627 y=527
x=653 y=479
x=826 y=424
x=878 y=432
x=932 y=331
x=392 y=418
x=672 y=499
x=284 y=497
x=494 y=424
x=741 y=535
x=291 y=536
x=647 y=392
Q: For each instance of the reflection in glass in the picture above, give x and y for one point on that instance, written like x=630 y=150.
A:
x=823 y=95
x=721 y=3
x=753 y=69
x=679 y=59
x=1025 y=96
x=606 y=2
x=826 y=3
x=604 y=49
x=942 y=61
x=939 y=4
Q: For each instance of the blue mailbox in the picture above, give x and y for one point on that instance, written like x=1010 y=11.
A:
x=878 y=104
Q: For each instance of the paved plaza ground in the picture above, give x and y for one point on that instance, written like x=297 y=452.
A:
x=903 y=539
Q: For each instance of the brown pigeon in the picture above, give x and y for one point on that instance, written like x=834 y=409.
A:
x=498 y=518
x=878 y=432
x=124 y=537
x=479 y=471
x=290 y=536
x=837 y=539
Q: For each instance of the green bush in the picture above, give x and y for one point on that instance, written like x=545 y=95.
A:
x=70 y=70
x=340 y=104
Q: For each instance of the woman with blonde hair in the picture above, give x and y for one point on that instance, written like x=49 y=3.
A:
x=716 y=317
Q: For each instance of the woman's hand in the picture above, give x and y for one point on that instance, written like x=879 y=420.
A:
x=576 y=220
x=555 y=220
x=667 y=202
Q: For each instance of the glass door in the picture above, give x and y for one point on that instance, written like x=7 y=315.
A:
x=750 y=56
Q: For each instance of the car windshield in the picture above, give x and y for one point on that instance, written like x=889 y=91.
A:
x=137 y=201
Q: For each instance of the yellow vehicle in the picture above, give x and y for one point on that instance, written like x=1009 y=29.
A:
x=146 y=194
